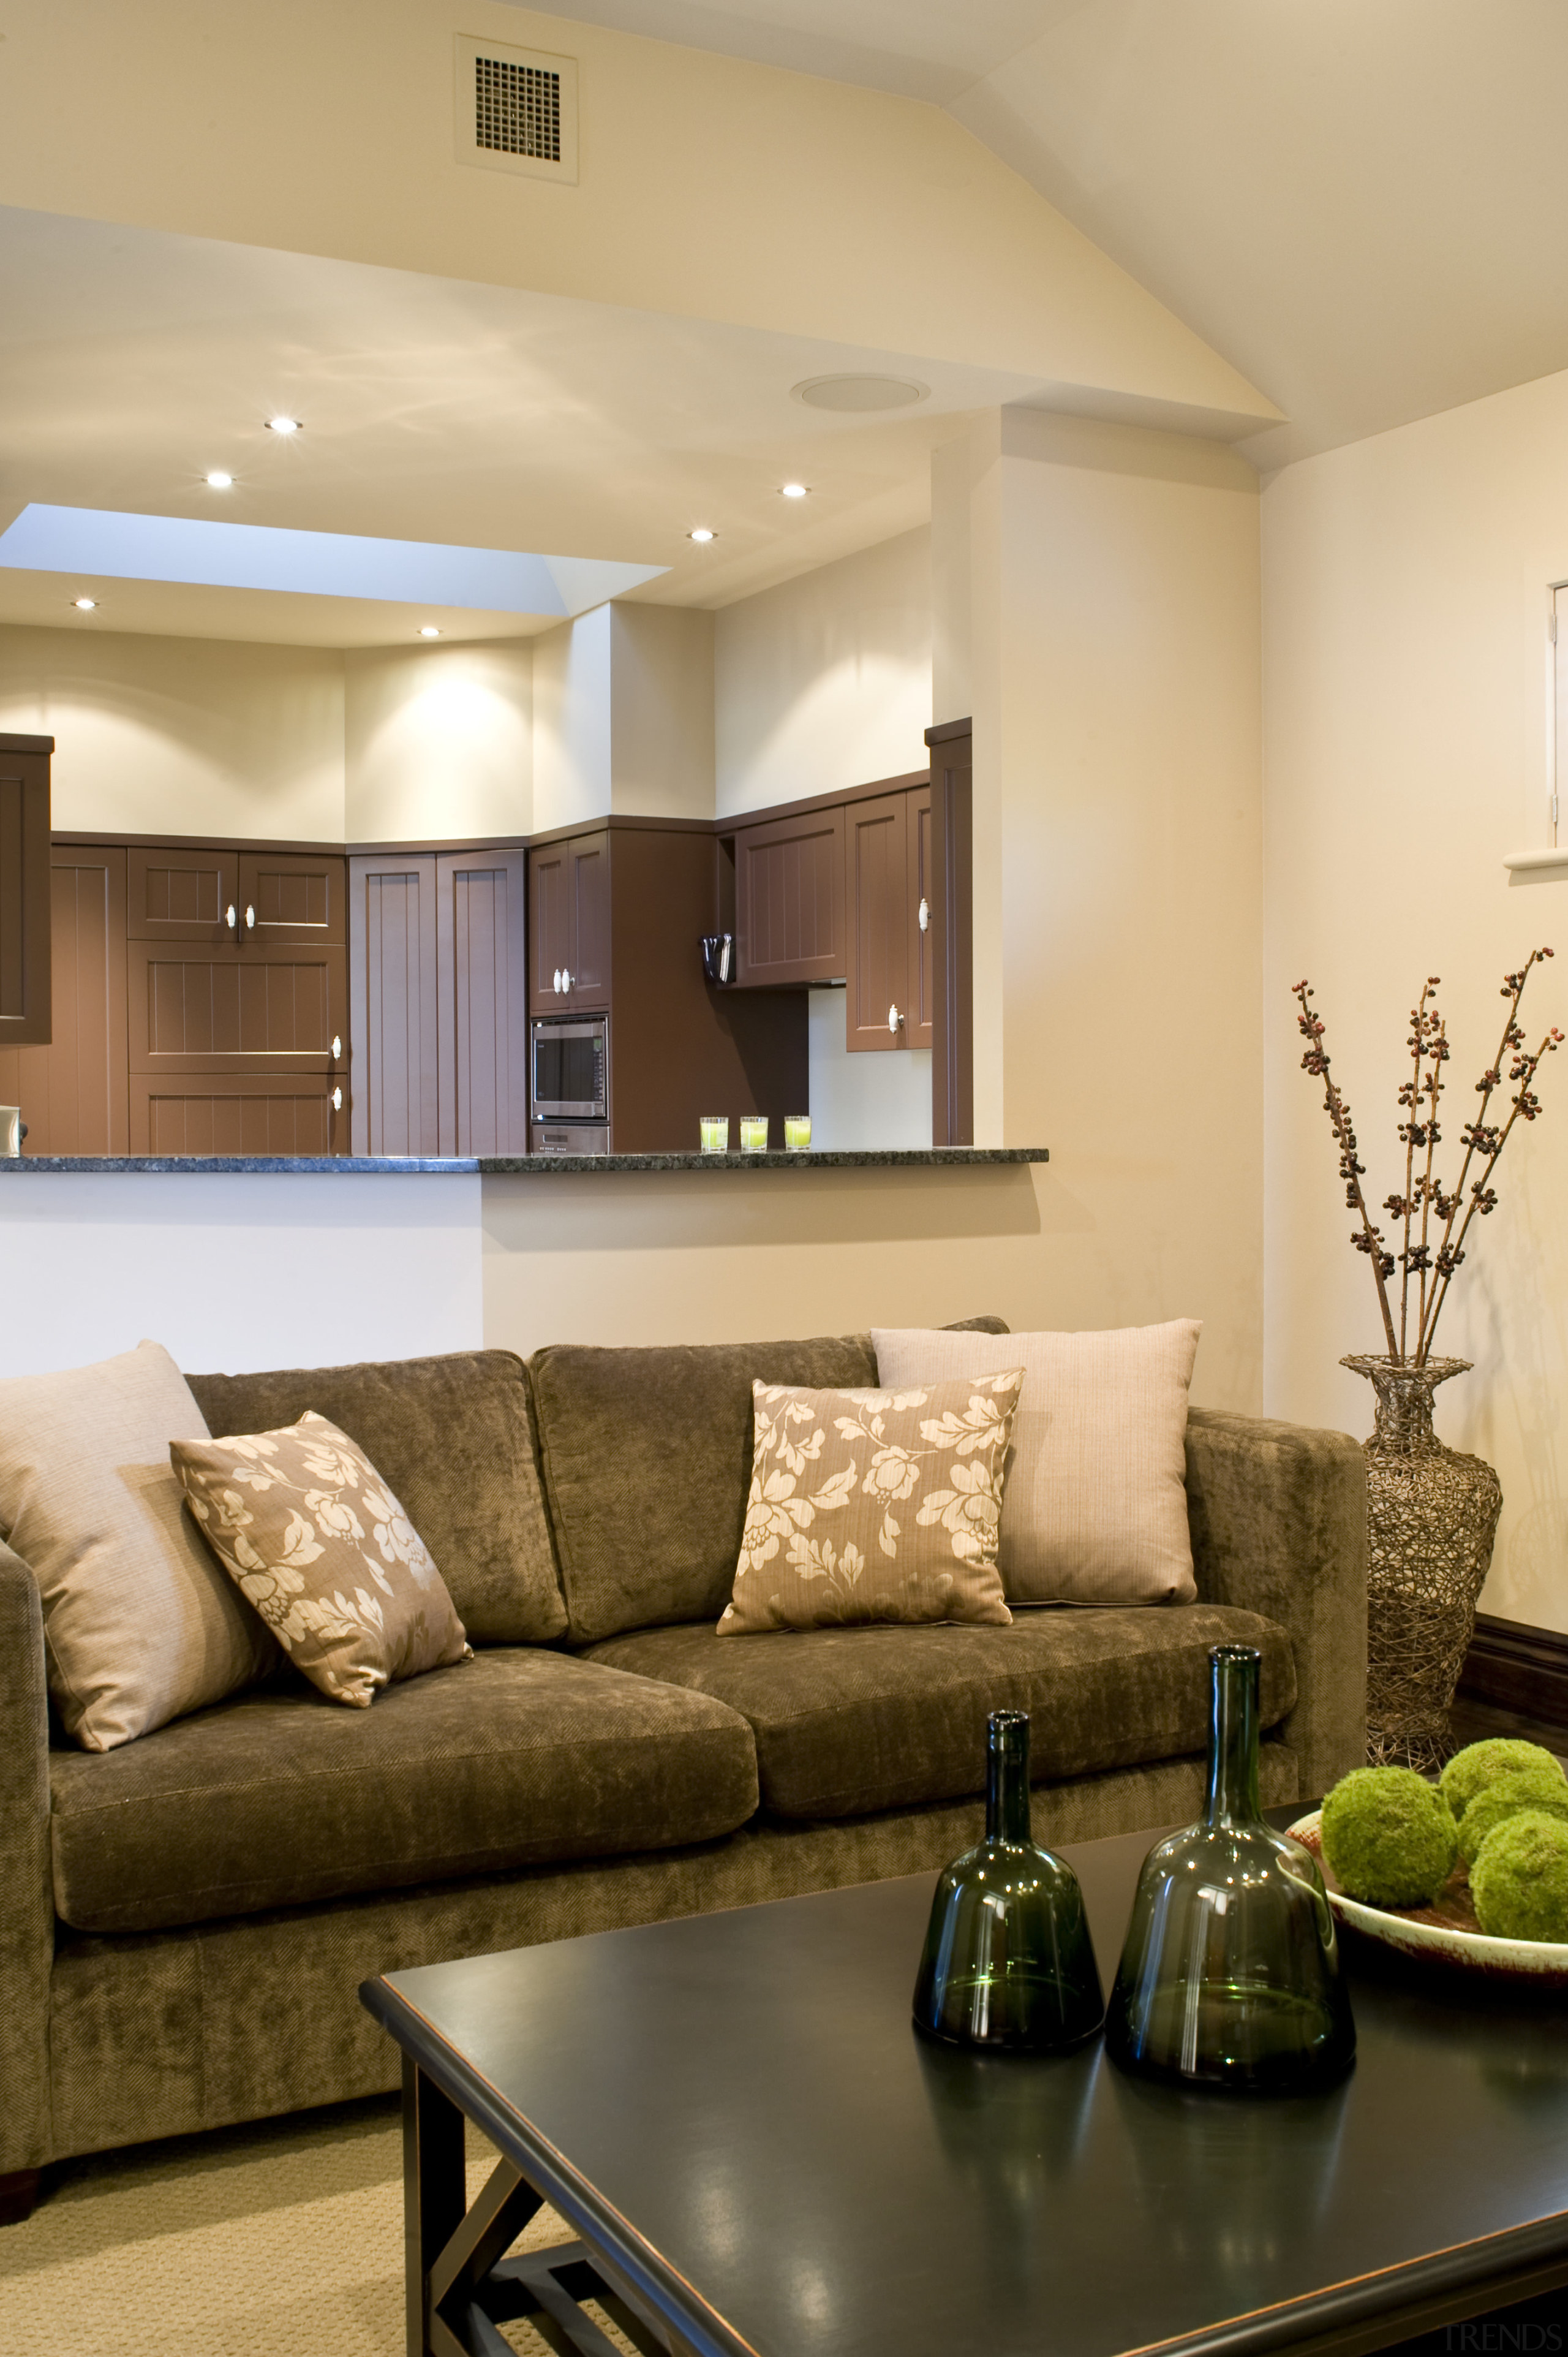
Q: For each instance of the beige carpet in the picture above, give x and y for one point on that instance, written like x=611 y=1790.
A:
x=281 y=2240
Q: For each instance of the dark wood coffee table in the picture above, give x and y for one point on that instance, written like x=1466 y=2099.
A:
x=760 y=2157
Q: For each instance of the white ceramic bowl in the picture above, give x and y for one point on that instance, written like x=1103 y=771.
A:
x=1421 y=1932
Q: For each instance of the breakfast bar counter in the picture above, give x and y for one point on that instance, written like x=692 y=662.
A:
x=523 y=1166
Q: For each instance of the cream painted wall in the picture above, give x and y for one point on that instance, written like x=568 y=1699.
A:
x=826 y=680
x=182 y=735
x=439 y=742
x=232 y=1271
x=710 y=187
x=661 y=711
x=571 y=775
x=1118 y=871
x=1406 y=673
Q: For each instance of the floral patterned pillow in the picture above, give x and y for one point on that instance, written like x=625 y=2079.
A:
x=875 y=1505
x=310 y=1533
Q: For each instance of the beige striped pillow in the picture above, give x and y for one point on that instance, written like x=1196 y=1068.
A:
x=1095 y=1507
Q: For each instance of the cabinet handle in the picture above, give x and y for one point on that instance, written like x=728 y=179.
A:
x=565 y=979
x=249 y=921
x=894 y=1018
x=925 y=917
x=337 y=1100
x=336 y=1047
x=228 y=915
x=556 y=984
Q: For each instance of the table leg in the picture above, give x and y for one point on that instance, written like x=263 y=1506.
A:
x=435 y=2191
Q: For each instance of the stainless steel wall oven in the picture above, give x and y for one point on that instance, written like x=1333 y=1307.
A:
x=568 y=1084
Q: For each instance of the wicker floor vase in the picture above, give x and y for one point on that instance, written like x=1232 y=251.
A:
x=1432 y=1516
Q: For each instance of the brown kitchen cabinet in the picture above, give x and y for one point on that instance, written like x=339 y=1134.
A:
x=236 y=1000
x=569 y=901
x=890 y=970
x=25 y=891
x=73 y=1093
x=790 y=899
x=393 y=1021
x=481 y=980
x=438 y=1001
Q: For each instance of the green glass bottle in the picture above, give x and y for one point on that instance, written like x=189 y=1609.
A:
x=1229 y=1975
x=1008 y=1964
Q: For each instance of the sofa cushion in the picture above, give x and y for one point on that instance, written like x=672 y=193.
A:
x=278 y=1797
x=140 y=1624
x=454 y=1438
x=648 y=1461
x=851 y=1720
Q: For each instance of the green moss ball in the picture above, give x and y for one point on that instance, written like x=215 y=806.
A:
x=1480 y=1764
x=1527 y=1787
x=1520 y=1880
x=1390 y=1836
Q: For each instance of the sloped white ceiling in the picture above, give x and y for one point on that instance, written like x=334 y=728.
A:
x=1362 y=204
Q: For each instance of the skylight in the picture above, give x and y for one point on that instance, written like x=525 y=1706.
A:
x=100 y=540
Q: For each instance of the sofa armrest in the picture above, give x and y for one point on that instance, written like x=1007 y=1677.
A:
x=1278 y=1514
x=26 y=1890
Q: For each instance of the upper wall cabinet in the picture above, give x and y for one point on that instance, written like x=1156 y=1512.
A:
x=24 y=891
x=790 y=899
x=570 y=899
x=887 y=848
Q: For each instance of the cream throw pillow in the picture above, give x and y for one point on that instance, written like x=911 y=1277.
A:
x=873 y=1505
x=139 y=1624
x=312 y=1536
x=1096 y=1504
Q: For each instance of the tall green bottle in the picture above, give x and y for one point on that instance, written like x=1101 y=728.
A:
x=1229 y=1975
x=1008 y=1964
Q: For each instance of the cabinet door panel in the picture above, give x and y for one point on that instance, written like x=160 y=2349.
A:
x=921 y=985
x=392 y=1016
x=26 y=899
x=73 y=1094
x=222 y=1014
x=878 y=1013
x=294 y=897
x=589 y=920
x=185 y=895
x=550 y=946
x=482 y=970
x=790 y=899
x=283 y=1112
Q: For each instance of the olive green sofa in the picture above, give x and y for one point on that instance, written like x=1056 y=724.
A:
x=184 y=1922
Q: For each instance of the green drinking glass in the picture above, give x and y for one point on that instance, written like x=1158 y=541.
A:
x=1229 y=1976
x=1008 y=1964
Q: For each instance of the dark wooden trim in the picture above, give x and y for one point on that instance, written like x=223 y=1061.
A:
x=621 y=822
x=945 y=731
x=768 y=812
x=108 y=838
x=10 y=743
x=952 y=910
x=1518 y=1668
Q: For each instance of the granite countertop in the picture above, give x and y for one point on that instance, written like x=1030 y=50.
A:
x=527 y=1165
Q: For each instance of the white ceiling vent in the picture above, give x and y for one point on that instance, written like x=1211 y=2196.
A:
x=517 y=110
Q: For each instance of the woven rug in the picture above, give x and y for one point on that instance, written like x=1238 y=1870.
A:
x=280 y=2240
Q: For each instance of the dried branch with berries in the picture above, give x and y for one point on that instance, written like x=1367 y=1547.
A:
x=1433 y=1220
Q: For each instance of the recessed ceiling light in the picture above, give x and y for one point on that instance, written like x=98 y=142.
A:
x=284 y=425
x=429 y=631
x=794 y=491
x=85 y=604
x=701 y=533
x=859 y=392
x=218 y=481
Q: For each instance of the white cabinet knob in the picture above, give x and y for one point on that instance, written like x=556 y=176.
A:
x=337 y=1100
x=925 y=915
x=555 y=983
x=228 y=915
x=249 y=921
x=565 y=979
x=336 y=1047
x=894 y=1018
